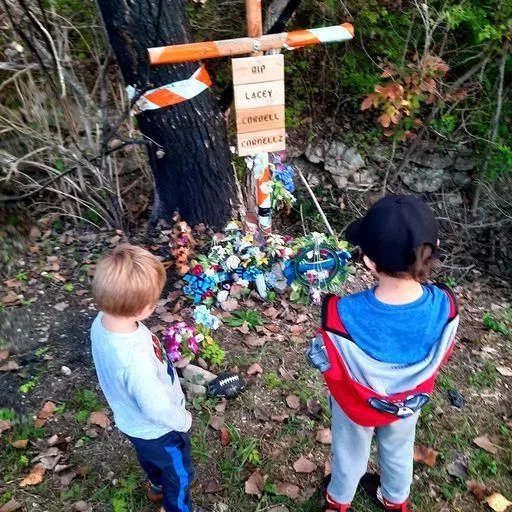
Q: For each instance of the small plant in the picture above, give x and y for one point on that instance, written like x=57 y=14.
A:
x=483 y=465
x=248 y=317
x=28 y=386
x=210 y=351
x=493 y=324
x=85 y=401
x=22 y=276
x=485 y=378
x=272 y=380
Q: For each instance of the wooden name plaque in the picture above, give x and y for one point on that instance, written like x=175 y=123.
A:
x=252 y=70
x=260 y=142
x=259 y=104
x=264 y=118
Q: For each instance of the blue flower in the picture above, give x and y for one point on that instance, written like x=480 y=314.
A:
x=284 y=174
x=203 y=316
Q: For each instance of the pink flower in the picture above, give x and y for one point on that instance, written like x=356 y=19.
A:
x=207 y=294
x=197 y=270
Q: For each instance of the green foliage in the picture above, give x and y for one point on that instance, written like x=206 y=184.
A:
x=28 y=386
x=492 y=323
x=211 y=351
x=249 y=317
x=485 y=378
x=85 y=401
x=483 y=465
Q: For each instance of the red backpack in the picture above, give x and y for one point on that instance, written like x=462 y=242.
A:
x=360 y=403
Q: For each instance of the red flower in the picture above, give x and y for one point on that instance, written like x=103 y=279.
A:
x=197 y=270
x=207 y=294
x=216 y=268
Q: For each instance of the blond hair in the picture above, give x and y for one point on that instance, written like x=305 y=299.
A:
x=127 y=280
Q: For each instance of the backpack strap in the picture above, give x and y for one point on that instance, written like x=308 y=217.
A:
x=331 y=320
x=454 y=307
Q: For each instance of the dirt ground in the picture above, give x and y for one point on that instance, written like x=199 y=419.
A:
x=45 y=323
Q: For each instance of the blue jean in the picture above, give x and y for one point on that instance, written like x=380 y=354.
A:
x=167 y=463
x=351 y=445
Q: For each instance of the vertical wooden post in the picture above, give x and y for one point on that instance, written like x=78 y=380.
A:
x=261 y=168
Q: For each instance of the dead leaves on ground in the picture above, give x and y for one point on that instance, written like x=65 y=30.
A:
x=35 y=476
x=304 y=465
x=100 y=418
x=11 y=506
x=47 y=411
x=484 y=443
x=254 y=484
x=425 y=455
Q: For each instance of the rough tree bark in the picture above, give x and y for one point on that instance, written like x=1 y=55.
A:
x=194 y=175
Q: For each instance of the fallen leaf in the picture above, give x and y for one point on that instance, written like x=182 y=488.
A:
x=273 y=328
x=278 y=508
x=157 y=328
x=11 y=299
x=4 y=354
x=47 y=410
x=287 y=489
x=61 y=306
x=254 y=484
x=244 y=328
x=225 y=436
x=35 y=476
x=293 y=402
x=221 y=407
x=216 y=422
x=10 y=506
x=254 y=341
x=10 y=366
x=484 y=443
x=425 y=455
x=20 y=444
x=100 y=418
x=479 y=490
x=301 y=319
x=229 y=305
x=254 y=369
x=67 y=477
x=324 y=436
x=296 y=330
x=5 y=425
x=81 y=506
x=304 y=465
x=504 y=370
x=271 y=312
x=327 y=468
x=212 y=487
x=498 y=502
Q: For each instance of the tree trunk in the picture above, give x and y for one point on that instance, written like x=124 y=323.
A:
x=194 y=175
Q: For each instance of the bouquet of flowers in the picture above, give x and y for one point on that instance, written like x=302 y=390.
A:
x=181 y=340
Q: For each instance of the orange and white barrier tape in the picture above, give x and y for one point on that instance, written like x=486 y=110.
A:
x=263 y=175
x=244 y=45
x=171 y=94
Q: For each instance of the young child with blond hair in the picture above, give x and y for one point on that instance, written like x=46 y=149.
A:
x=139 y=383
x=380 y=351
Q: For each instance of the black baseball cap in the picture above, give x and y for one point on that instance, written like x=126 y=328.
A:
x=392 y=228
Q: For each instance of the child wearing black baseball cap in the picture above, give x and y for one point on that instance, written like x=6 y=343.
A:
x=382 y=349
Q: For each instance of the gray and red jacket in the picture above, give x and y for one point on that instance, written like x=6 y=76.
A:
x=373 y=393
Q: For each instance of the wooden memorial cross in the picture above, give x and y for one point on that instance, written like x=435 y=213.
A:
x=258 y=86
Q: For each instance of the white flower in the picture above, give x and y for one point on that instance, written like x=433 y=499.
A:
x=222 y=296
x=233 y=262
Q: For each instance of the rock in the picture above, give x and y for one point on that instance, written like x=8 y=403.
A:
x=194 y=390
x=197 y=375
x=460 y=179
x=464 y=163
x=315 y=154
x=423 y=179
x=363 y=177
x=432 y=160
x=341 y=160
x=66 y=371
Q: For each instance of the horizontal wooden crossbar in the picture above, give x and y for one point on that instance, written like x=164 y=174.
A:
x=244 y=45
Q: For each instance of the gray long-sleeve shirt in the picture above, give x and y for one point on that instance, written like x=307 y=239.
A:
x=146 y=401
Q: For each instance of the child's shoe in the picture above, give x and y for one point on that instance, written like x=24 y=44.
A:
x=334 y=506
x=370 y=483
x=153 y=492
